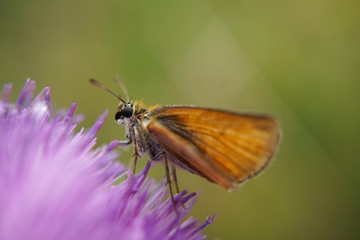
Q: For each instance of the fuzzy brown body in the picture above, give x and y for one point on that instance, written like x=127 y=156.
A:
x=138 y=134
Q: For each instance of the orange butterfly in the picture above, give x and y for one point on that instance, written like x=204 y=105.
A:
x=224 y=147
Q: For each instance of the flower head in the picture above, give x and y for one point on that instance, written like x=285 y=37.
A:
x=53 y=185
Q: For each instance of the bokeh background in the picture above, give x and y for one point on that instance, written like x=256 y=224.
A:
x=297 y=60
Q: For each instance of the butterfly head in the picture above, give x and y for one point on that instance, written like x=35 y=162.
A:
x=125 y=111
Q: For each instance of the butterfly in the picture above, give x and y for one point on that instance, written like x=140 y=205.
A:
x=224 y=147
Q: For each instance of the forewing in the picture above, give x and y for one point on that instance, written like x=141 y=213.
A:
x=225 y=147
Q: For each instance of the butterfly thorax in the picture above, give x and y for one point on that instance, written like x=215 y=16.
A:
x=133 y=115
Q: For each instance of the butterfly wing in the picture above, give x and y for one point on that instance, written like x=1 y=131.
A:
x=224 y=147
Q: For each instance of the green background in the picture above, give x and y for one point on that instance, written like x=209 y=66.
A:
x=298 y=60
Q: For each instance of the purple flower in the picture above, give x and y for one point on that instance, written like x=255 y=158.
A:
x=53 y=185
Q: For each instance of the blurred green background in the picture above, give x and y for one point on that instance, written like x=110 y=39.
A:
x=298 y=60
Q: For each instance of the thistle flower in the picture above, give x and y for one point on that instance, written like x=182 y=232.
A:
x=53 y=185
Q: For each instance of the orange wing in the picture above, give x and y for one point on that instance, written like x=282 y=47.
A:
x=224 y=147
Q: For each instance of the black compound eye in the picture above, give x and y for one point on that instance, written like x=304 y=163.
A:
x=119 y=116
x=127 y=111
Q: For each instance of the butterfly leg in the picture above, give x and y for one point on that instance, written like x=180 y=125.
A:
x=134 y=157
x=175 y=179
x=168 y=180
x=176 y=182
x=162 y=155
x=124 y=143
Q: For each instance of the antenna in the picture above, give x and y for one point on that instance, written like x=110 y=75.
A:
x=99 y=85
x=122 y=86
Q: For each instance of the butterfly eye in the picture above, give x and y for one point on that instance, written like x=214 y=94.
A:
x=127 y=111
x=119 y=116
